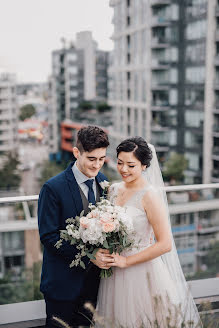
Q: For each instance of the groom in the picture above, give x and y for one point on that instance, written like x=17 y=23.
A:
x=66 y=289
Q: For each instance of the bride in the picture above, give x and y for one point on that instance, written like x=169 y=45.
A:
x=147 y=288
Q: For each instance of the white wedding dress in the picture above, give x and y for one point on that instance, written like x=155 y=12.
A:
x=144 y=294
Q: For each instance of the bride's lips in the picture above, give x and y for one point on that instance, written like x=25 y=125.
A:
x=125 y=175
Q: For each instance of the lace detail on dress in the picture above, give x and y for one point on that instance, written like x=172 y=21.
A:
x=135 y=200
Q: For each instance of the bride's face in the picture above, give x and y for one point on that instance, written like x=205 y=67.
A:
x=129 y=167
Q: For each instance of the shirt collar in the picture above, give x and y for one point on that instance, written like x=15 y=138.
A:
x=79 y=176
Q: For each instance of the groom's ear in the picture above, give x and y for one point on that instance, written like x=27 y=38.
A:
x=76 y=152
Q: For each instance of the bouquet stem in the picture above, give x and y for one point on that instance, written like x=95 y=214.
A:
x=105 y=273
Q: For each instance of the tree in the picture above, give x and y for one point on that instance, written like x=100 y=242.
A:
x=50 y=169
x=9 y=178
x=27 y=288
x=26 y=111
x=174 y=168
x=86 y=105
x=103 y=107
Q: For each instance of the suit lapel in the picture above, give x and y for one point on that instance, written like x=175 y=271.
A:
x=73 y=186
x=98 y=180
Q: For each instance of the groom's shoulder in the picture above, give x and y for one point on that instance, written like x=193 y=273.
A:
x=102 y=176
x=57 y=180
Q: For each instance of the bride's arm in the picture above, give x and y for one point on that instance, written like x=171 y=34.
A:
x=156 y=214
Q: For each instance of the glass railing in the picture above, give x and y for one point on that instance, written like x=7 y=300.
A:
x=194 y=209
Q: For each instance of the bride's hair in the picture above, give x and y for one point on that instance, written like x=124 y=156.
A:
x=139 y=147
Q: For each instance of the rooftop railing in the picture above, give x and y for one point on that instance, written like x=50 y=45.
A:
x=182 y=199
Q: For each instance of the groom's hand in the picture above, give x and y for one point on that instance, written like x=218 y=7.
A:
x=104 y=259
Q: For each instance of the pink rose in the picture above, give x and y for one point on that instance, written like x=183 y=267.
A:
x=106 y=217
x=109 y=227
x=84 y=222
x=93 y=214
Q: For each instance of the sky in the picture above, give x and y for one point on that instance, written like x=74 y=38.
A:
x=31 y=29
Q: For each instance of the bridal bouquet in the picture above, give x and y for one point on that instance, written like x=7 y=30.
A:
x=105 y=226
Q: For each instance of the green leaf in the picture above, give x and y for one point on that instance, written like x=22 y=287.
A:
x=82 y=213
x=82 y=264
x=105 y=244
x=90 y=256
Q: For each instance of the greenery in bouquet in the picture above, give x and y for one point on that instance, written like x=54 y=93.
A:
x=105 y=226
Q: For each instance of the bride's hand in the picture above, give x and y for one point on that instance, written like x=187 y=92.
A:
x=119 y=261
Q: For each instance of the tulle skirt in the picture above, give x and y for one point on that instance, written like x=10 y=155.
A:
x=139 y=296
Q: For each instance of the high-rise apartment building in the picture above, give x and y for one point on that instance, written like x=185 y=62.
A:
x=79 y=73
x=8 y=114
x=64 y=94
x=85 y=42
x=163 y=80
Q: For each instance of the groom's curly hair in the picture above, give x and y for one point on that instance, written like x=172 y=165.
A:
x=90 y=138
x=139 y=147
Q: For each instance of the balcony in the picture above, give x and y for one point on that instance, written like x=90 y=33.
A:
x=216 y=111
x=157 y=127
x=32 y=313
x=215 y=153
x=159 y=85
x=159 y=42
x=216 y=131
x=216 y=60
x=217 y=35
x=206 y=226
x=159 y=65
x=159 y=3
x=160 y=21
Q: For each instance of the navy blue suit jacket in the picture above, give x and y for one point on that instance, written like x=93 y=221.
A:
x=59 y=200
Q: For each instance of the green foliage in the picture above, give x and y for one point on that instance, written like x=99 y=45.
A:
x=9 y=178
x=212 y=261
x=103 y=107
x=50 y=169
x=86 y=105
x=26 y=111
x=174 y=168
x=26 y=289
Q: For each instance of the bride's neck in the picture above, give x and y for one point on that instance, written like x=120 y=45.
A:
x=136 y=184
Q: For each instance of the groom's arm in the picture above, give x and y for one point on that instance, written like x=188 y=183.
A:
x=49 y=213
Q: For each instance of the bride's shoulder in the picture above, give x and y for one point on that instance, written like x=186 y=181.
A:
x=150 y=194
x=114 y=187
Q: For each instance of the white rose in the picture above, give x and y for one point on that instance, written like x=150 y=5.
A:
x=104 y=184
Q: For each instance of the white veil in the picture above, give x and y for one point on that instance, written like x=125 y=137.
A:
x=188 y=308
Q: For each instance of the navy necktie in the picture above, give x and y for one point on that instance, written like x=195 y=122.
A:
x=91 y=196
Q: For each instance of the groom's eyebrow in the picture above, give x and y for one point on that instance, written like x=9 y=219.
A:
x=92 y=157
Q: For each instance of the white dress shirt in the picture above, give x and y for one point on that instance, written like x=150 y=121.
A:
x=81 y=178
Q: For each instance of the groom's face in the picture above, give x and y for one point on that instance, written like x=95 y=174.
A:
x=89 y=163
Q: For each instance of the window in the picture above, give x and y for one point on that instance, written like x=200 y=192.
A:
x=13 y=261
x=195 y=74
x=13 y=240
x=196 y=30
x=194 y=118
x=173 y=97
x=193 y=160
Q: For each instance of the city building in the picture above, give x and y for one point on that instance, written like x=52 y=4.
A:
x=35 y=94
x=163 y=80
x=102 y=62
x=8 y=114
x=85 y=42
x=79 y=75
x=64 y=94
x=195 y=226
x=19 y=240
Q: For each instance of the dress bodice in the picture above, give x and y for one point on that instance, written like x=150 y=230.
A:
x=134 y=210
